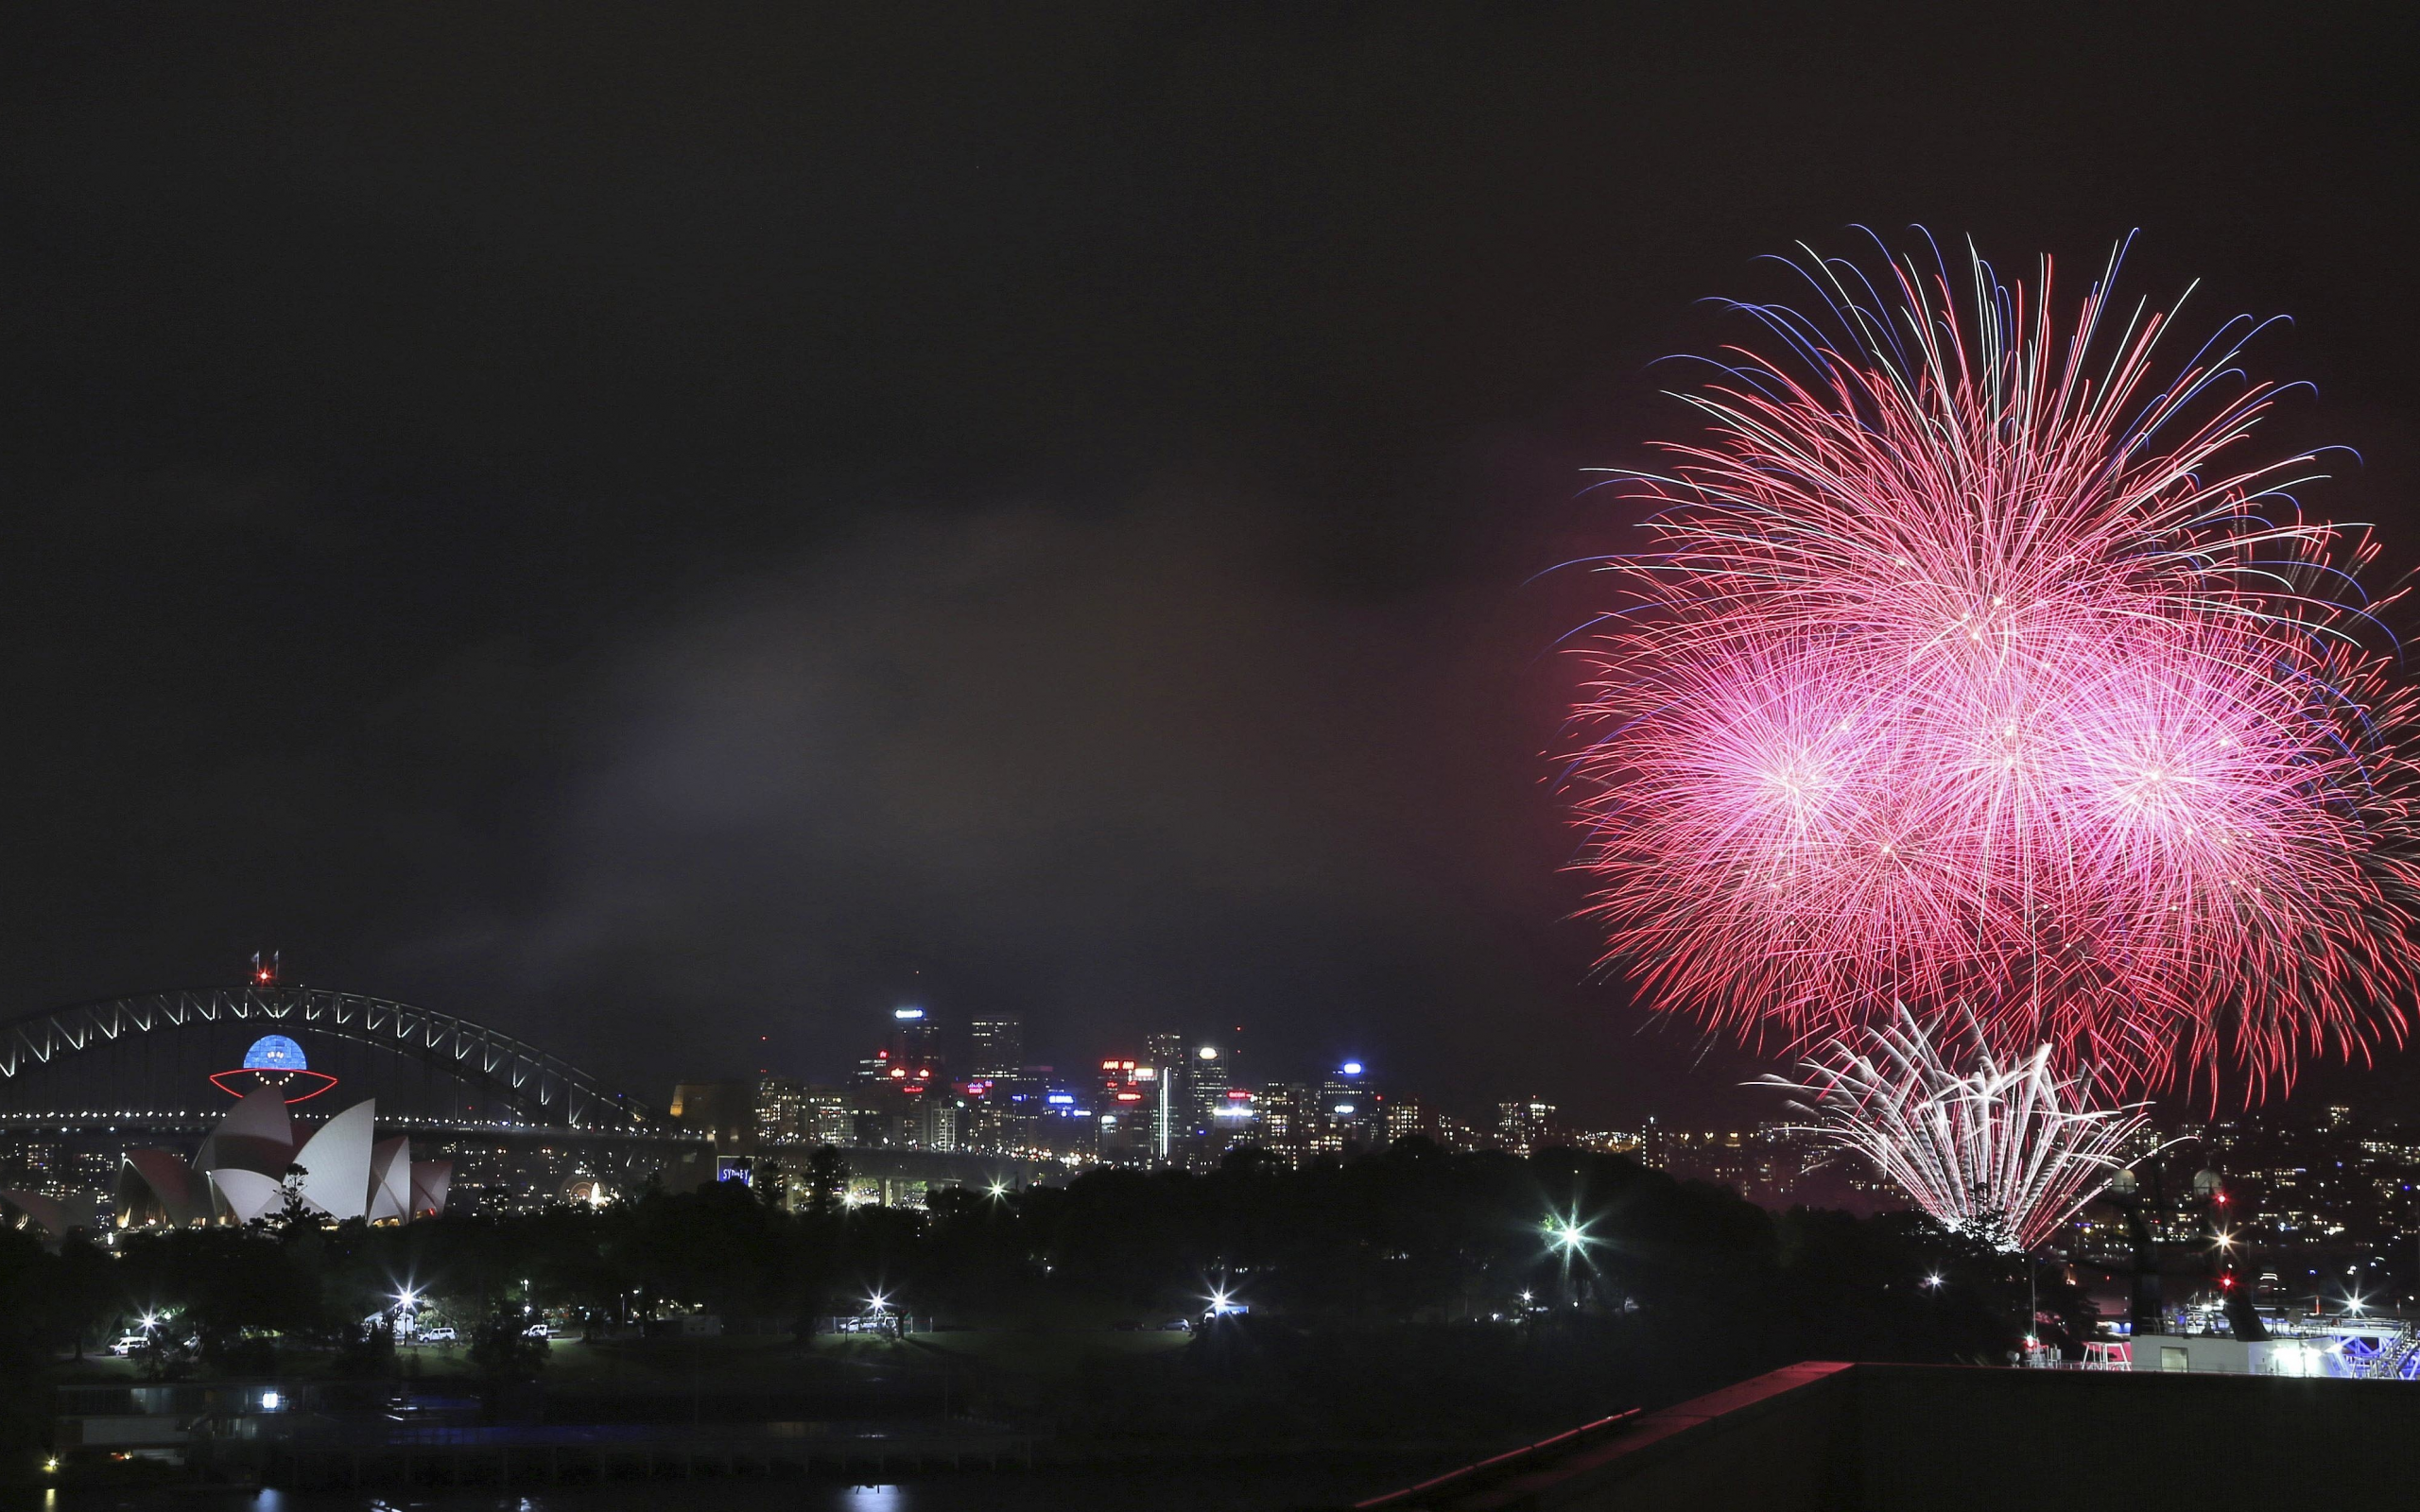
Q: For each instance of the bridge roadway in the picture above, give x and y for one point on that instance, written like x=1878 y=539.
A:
x=896 y=1168
x=685 y=1160
x=194 y=1123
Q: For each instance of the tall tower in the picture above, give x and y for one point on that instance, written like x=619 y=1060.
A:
x=916 y=1042
x=1212 y=1071
x=1172 y=1099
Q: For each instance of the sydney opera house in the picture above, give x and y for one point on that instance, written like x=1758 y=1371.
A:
x=118 y=1111
x=260 y=1159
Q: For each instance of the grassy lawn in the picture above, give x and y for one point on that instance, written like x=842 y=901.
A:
x=1047 y=1354
x=1016 y=1365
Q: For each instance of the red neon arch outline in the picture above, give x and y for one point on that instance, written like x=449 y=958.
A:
x=326 y=1082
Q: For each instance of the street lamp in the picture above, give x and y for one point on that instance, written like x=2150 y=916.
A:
x=1568 y=1235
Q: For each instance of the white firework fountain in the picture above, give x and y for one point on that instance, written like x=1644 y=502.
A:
x=2005 y=1153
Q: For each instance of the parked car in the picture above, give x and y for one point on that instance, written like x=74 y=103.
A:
x=128 y=1343
x=539 y=1330
x=1176 y=1325
x=437 y=1335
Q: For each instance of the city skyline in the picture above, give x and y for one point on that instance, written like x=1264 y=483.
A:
x=1209 y=756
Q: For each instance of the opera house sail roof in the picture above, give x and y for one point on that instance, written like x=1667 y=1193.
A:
x=258 y=1161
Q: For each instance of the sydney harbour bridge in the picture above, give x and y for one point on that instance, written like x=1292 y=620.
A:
x=81 y=1083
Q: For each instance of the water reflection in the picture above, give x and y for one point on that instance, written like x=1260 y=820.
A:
x=1234 y=1489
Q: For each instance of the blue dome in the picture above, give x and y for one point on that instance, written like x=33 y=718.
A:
x=274 y=1052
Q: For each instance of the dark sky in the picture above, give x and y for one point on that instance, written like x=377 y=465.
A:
x=655 y=526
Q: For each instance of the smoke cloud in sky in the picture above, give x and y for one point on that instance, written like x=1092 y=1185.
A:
x=668 y=534
x=1112 y=772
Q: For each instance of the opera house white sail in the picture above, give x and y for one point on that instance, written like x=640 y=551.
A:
x=255 y=1157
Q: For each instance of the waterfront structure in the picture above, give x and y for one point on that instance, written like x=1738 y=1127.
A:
x=257 y=1163
x=86 y=1089
x=722 y=1112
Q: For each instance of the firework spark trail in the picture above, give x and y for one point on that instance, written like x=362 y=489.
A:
x=1967 y=666
x=2004 y=1152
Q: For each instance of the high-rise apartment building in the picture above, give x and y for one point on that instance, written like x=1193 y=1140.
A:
x=792 y=1112
x=1522 y=1126
x=781 y=1109
x=1287 y=1112
x=1405 y=1117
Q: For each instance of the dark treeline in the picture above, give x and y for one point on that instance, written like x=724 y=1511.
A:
x=1381 y=1291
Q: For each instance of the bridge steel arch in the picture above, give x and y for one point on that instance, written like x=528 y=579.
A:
x=543 y=1087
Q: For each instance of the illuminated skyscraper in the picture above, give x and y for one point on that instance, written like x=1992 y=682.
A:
x=1172 y=1102
x=995 y=1047
x=916 y=1042
x=1523 y=1126
x=1212 y=1071
x=790 y=1112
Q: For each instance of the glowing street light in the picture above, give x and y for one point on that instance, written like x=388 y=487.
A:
x=1932 y=1282
x=1568 y=1235
x=998 y=1190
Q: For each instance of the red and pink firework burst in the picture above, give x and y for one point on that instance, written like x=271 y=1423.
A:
x=1967 y=664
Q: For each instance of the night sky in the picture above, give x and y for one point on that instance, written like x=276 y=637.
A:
x=652 y=528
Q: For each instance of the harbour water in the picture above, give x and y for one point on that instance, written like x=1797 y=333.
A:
x=1220 y=1486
